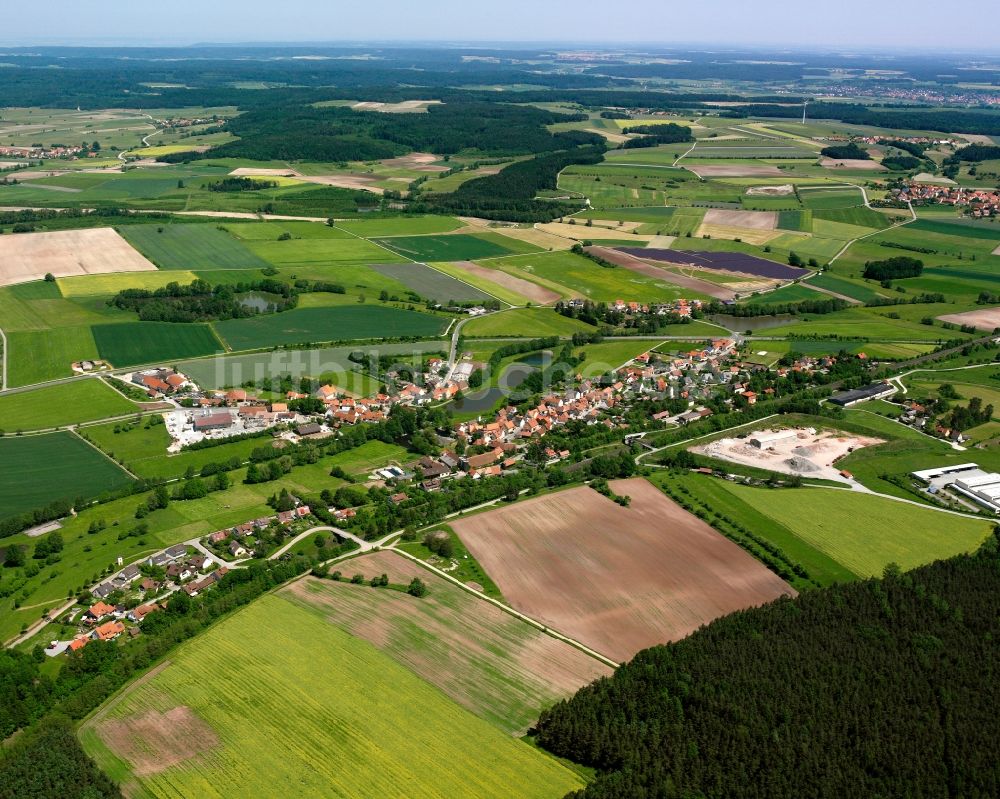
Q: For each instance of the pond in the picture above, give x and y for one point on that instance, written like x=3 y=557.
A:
x=537 y=359
x=259 y=301
x=485 y=399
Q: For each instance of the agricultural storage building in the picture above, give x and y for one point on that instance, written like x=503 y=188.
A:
x=763 y=440
x=847 y=399
x=216 y=420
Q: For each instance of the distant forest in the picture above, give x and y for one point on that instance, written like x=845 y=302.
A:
x=879 y=688
x=291 y=133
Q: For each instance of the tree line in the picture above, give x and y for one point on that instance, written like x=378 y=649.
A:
x=875 y=688
x=29 y=696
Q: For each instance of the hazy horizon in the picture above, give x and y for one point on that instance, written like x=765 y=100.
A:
x=854 y=25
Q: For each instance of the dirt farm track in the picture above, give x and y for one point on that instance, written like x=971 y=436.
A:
x=616 y=579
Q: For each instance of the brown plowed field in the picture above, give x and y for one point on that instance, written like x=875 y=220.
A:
x=495 y=665
x=616 y=579
x=518 y=285
x=733 y=170
x=639 y=266
x=981 y=319
x=751 y=220
x=65 y=253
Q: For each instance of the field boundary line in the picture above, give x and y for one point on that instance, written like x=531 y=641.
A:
x=466 y=283
x=103 y=453
x=3 y=360
x=510 y=611
x=380 y=246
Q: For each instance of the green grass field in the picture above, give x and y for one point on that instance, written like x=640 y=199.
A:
x=191 y=246
x=866 y=533
x=493 y=677
x=580 y=276
x=318 y=246
x=37 y=355
x=866 y=323
x=400 y=226
x=857 y=217
x=143 y=450
x=135 y=343
x=715 y=494
x=525 y=322
x=965 y=231
x=848 y=288
x=828 y=199
x=106 y=285
x=36 y=470
x=55 y=406
x=796 y=292
x=339 y=323
x=363 y=725
x=458 y=247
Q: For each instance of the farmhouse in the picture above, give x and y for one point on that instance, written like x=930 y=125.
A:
x=848 y=399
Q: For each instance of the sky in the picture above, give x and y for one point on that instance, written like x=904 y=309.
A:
x=853 y=24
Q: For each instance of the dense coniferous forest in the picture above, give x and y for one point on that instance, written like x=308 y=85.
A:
x=341 y=134
x=49 y=761
x=894 y=268
x=846 y=152
x=653 y=135
x=975 y=153
x=879 y=688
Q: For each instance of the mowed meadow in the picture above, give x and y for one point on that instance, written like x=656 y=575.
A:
x=275 y=697
x=498 y=667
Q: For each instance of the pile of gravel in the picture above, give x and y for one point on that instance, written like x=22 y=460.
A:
x=799 y=464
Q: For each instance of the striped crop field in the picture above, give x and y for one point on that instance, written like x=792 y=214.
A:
x=274 y=702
